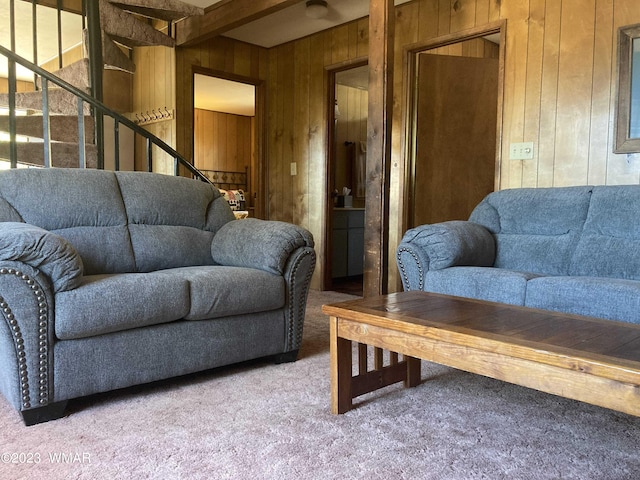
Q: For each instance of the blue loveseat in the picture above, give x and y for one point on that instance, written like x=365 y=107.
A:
x=568 y=249
x=112 y=279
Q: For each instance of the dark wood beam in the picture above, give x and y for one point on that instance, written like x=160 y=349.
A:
x=224 y=16
x=376 y=232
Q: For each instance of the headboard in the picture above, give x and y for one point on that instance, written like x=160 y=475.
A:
x=234 y=185
x=226 y=180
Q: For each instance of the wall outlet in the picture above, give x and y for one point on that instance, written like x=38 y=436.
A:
x=294 y=168
x=521 y=151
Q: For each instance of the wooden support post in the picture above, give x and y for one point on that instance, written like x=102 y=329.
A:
x=376 y=236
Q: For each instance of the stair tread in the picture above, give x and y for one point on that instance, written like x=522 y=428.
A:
x=63 y=154
x=76 y=73
x=130 y=31
x=114 y=57
x=63 y=128
x=160 y=9
x=60 y=101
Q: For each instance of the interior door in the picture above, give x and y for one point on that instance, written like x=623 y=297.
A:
x=456 y=136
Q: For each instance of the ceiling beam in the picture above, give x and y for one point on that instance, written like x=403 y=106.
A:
x=224 y=16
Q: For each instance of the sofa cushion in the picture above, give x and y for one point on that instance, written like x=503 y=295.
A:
x=46 y=251
x=260 y=244
x=536 y=229
x=89 y=212
x=159 y=247
x=483 y=283
x=169 y=219
x=103 y=249
x=610 y=243
x=609 y=298
x=222 y=291
x=110 y=303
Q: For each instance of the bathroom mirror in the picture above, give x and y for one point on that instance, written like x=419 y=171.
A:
x=627 y=137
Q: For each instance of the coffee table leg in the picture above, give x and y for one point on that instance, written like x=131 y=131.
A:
x=341 y=358
x=414 y=375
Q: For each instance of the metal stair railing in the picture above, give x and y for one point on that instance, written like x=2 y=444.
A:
x=99 y=109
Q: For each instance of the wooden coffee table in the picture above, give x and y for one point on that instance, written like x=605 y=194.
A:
x=591 y=360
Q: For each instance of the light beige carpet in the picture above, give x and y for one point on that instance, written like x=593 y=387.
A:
x=265 y=421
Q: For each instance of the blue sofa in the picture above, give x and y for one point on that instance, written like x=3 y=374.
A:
x=568 y=249
x=112 y=279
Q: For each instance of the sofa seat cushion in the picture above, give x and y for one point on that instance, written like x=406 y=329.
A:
x=114 y=302
x=608 y=298
x=484 y=283
x=219 y=291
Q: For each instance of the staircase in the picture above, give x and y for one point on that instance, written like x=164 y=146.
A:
x=66 y=132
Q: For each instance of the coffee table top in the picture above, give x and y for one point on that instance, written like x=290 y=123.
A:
x=570 y=341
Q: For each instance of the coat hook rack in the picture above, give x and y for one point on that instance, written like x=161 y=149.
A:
x=156 y=115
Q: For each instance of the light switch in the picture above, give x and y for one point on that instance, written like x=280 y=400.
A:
x=294 y=168
x=521 y=151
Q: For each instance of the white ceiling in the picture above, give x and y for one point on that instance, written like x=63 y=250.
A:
x=291 y=23
x=222 y=95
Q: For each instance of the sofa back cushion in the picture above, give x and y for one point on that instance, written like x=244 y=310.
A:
x=536 y=229
x=83 y=206
x=610 y=243
x=168 y=219
x=119 y=221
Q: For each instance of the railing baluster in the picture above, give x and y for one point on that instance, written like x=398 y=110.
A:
x=149 y=155
x=82 y=158
x=13 y=146
x=34 y=23
x=12 y=27
x=46 y=127
x=59 y=7
x=116 y=144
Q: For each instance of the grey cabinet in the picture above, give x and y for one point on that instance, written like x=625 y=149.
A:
x=348 y=242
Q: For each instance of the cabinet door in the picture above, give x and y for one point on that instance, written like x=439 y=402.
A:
x=356 y=251
x=340 y=252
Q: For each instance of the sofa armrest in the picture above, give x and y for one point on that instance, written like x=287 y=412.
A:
x=279 y=248
x=255 y=243
x=26 y=303
x=51 y=254
x=443 y=245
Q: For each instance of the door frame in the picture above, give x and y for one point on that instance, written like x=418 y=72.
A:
x=330 y=82
x=411 y=101
x=260 y=160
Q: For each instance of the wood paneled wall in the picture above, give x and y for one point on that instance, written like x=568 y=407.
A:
x=21 y=86
x=560 y=71
x=222 y=141
x=154 y=88
x=218 y=55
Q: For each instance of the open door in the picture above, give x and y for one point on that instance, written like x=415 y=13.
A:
x=344 y=240
x=456 y=136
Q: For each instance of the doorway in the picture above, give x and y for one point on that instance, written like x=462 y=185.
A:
x=455 y=129
x=344 y=240
x=228 y=135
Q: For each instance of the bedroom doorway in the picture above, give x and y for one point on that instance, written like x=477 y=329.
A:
x=228 y=135
x=344 y=241
x=455 y=125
